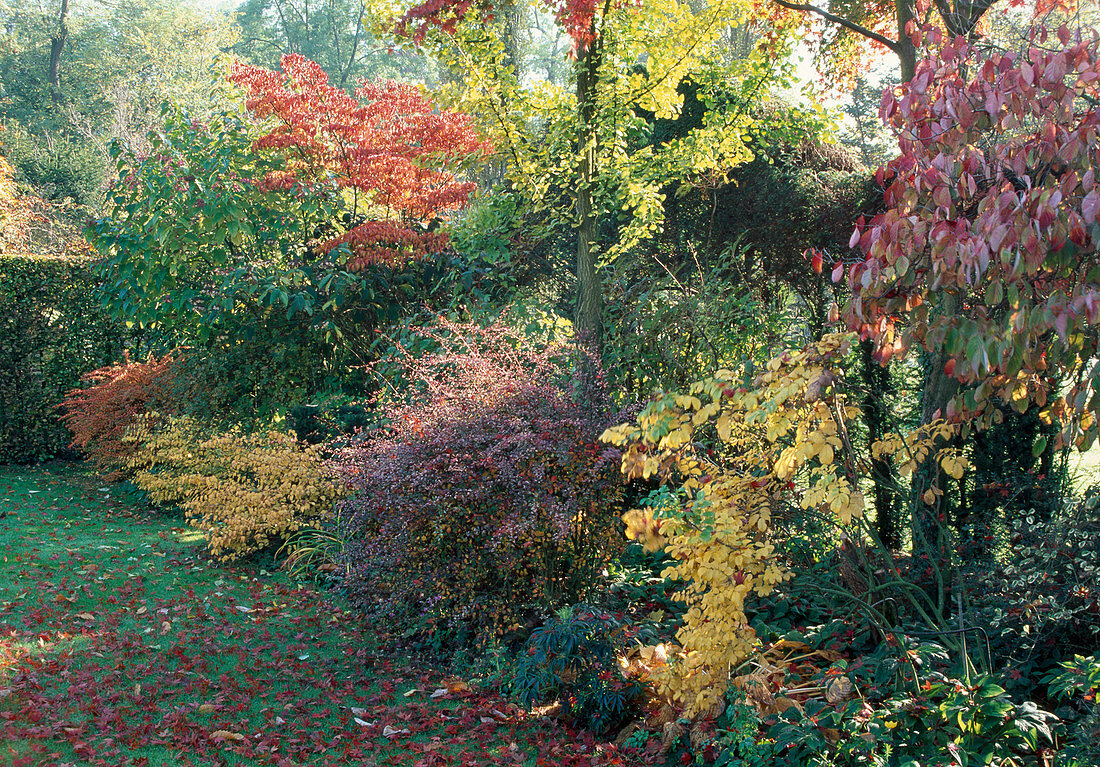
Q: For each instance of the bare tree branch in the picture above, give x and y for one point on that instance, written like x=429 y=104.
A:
x=858 y=29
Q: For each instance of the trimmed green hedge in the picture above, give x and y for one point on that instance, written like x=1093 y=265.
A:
x=52 y=331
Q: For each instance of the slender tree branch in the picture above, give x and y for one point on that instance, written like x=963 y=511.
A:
x=858 y=29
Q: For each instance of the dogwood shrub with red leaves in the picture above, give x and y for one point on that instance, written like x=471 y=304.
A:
x=487 y=501
x=988 y=247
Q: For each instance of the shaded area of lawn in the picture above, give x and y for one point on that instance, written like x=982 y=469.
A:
x=120 y=644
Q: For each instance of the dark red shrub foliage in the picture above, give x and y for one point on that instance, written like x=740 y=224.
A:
x=488 y=501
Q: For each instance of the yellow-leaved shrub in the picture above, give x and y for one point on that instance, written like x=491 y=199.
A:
x=242 y=490
x=732 y=449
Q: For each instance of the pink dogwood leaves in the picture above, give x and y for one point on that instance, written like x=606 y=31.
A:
x=988 y=246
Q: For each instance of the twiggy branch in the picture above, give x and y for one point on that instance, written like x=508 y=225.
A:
x=857 y=28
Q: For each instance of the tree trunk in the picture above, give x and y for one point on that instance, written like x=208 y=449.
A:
x=514 y=16
x=907 y=52
x=588 y=320
x=876 y=378
x=929 y=520
x=57 y=43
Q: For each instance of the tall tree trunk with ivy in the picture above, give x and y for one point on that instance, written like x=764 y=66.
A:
x=588 y=320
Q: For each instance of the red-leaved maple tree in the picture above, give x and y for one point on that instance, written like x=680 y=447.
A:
x=397 y=157
x=987 y=255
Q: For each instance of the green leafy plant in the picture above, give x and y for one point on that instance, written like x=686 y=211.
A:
x=900 y=707
x=1077 y=681
x=311 y=552
x=573 y=658
x=737 y=741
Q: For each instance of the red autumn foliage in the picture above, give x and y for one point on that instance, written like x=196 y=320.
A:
x=575 y=17
x=99 y=414
x=989 y=244
x=399 y=155
x=488 y=501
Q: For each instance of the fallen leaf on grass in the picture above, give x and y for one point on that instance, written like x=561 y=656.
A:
x=85 y=616
x=393 y=732
x=226 y=735
x=142 y=610
x=458 y=686
x=365 y=723
x=410 y=693
x=440 y=692
x=207 y=708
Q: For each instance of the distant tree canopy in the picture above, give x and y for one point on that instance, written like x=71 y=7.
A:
x=339 y=35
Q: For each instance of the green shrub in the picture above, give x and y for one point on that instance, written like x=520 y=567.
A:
x=52 y=331
x=573 y=658
x=1078 y=682
x=59 y=168
x=897 y=708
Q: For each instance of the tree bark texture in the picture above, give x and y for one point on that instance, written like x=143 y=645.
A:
x=57 y=44
x=588 y=319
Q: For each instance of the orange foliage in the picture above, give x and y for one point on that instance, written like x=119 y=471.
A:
x=383 y=242
x=100 y=414
x=31 y=226
x=390 y=146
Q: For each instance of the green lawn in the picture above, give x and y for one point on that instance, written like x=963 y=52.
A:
x=121 y=644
